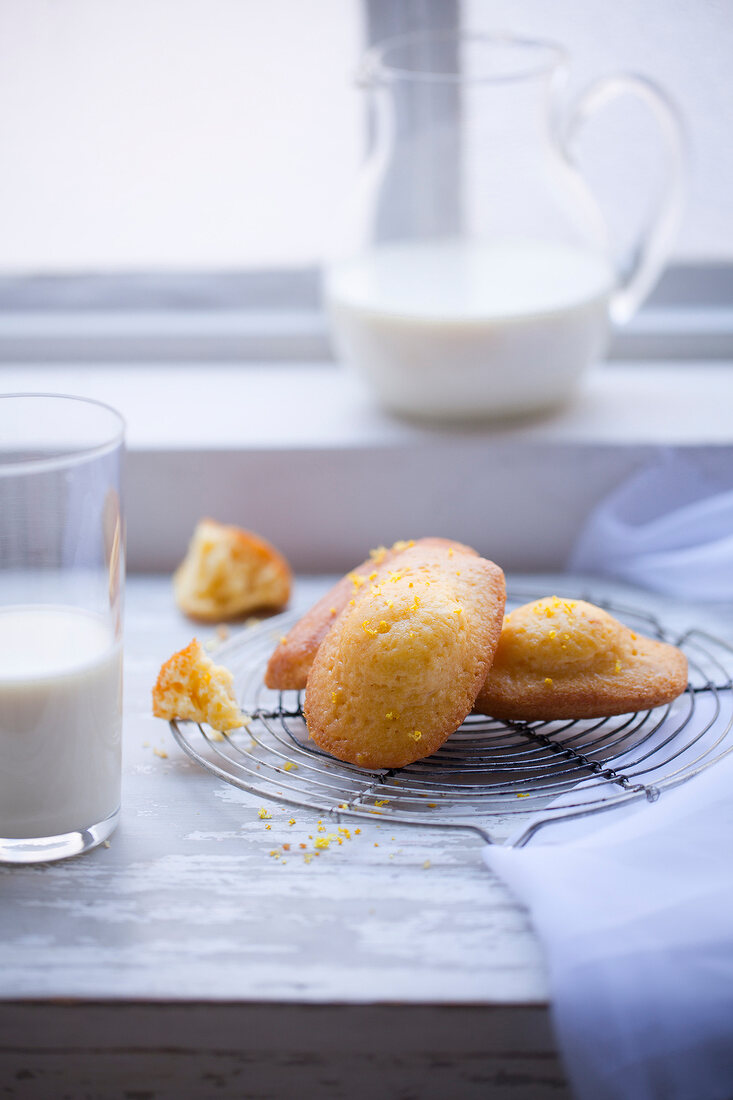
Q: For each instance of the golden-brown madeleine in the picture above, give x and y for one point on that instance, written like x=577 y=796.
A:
x=289 y=665
x=192 y=687
x=561 y=658
x=228 y=572
x=399 y=670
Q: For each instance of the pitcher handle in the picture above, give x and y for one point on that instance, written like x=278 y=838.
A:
x=652 y=247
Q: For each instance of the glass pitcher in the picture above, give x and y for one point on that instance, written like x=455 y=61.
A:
x=473 y=275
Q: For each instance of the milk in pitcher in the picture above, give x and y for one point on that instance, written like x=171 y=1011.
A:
x=467 y=329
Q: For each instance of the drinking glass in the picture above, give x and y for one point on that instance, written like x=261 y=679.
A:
x=61 y=594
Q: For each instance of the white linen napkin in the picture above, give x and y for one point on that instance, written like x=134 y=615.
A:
x=634 y=908
x=669 y=528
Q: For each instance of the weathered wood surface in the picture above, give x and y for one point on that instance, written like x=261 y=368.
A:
x=188 y=902
x=109 y=961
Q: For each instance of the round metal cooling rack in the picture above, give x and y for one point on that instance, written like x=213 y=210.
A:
x=490 y=777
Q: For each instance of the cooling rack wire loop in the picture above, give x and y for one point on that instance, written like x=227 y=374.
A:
x=501 y=780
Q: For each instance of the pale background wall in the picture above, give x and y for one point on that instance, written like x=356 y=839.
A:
x=182 y=133
x=173 y=132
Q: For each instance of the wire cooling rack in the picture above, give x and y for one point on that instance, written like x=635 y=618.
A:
x=491 y=777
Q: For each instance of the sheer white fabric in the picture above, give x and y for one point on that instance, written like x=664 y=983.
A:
x=670 y=529
x=634 y=909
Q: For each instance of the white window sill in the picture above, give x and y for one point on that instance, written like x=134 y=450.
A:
x=298 y=453
x=247 y=406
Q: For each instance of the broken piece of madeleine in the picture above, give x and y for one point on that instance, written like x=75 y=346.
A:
x=228 y=573
x=190 y=686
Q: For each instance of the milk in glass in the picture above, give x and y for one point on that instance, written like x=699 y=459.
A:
x=60 y=720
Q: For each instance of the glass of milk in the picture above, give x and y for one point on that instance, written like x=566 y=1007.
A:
x=473 y=274
x=61 y=589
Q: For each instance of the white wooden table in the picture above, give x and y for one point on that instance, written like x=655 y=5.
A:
x=185 y=960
